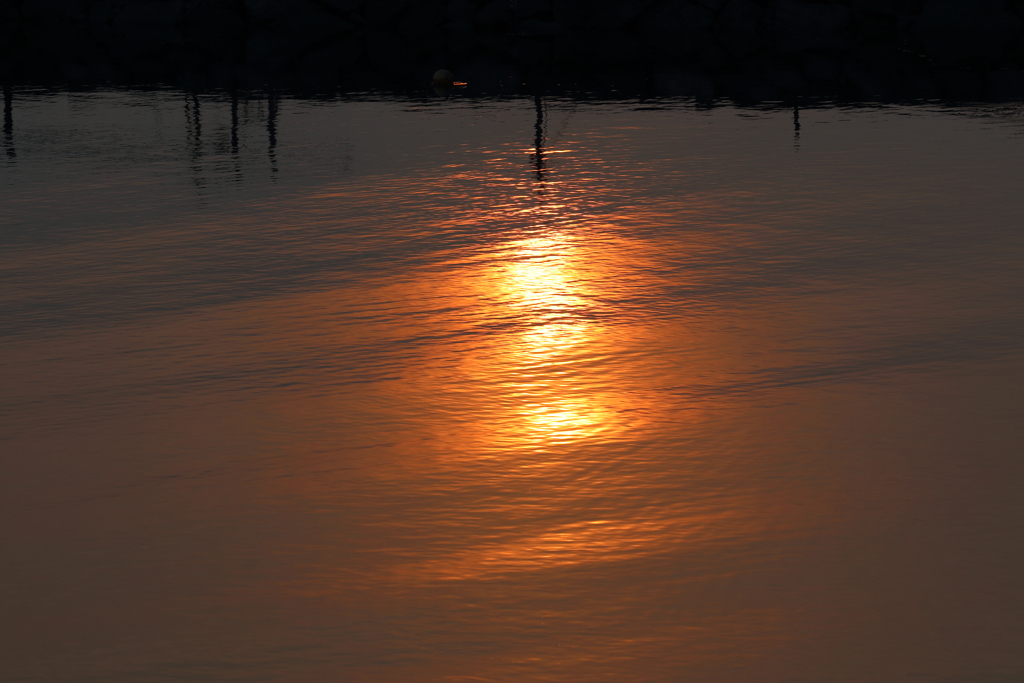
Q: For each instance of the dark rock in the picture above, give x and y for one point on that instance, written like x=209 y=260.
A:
x=877 y=72
x=146 y=28
x=85 y=72
x=214 y=25
x=619 y=14
x=8 y=14
x=334 y=57
x=484 y=76
x=801 y=26
x=750 y=83
x=785 y=78
x=267 y=51
x=1006 y=83
x=493 y=43
x=678 y=26
x=297 y=22
x=715 y=56
x=313 y=26
x=869 y=85
x=55 y=11
x=531 y=51
x=271 y=11
x=458 y=28
x=888 y=7
x=820 y=68
x=961 y=83
x=461 y=39
x=955 y=32
x=100 y=14
x=604 y=14
x=761 y=48
x=525 y=9
x=538 y=28
x=149 y=41
x=569 y=12
x=496 y=13
x=390 y=54
x=617 y=49
x=876 y=28
x=422 y=17
x=461 y=11
x=684 y=84
x=344 y=7
x=152 y=12
x=382 y=11
x=741 y=27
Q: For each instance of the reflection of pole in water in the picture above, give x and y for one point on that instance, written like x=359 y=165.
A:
x=234 y=135
x=193 y=121
x=9 y=122
x=272 y=131
x=234 y=123
x=538 y=140
x=796 y=126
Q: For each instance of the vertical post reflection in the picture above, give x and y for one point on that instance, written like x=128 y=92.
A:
x=796 y=127
x=194 y=124
x=234 y=135
x=538 y=140
x=272 y=132
x=9 y=122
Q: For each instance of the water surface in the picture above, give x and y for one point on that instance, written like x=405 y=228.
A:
x=392 y=388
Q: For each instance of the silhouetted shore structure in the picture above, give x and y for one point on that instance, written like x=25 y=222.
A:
x=746 y=49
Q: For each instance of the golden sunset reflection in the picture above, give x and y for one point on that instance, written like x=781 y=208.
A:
x=541 y=287
x=563 y=547
x=550 y=395
x=538 y=419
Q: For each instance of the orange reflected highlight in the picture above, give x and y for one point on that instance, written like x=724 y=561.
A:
x=541 y=392
x=564 y=546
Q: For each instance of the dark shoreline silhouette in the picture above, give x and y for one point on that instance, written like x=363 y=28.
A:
x=748 y=50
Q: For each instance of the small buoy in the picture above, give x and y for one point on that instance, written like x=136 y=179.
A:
x=444 y=77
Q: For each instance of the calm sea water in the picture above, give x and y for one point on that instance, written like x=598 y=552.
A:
x=396 y=389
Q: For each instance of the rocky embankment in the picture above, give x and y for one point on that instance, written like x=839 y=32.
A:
x=760 y=48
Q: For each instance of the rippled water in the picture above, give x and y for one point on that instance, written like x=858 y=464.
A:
x=385 y=388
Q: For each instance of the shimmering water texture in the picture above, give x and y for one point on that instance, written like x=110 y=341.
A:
x=381 y=389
